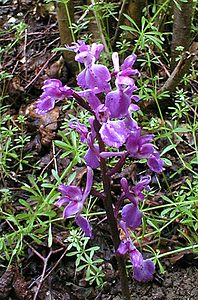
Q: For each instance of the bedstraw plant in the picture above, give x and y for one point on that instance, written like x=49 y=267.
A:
x=113 y=133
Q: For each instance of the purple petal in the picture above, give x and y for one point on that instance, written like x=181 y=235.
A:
x=61 y=201
x=131 y=215
x=118 y=103
x=84 y=225
x=72 y=208
x=146 y=138
x=130 y=123
x=124 y=81
x=96 y=50
x=145 y=272
x=112 y=154
x=92 y=99
x=135 y=98
x=155 y=163
x=71 y=192
x=52 y=83
x=44 y=104
x=132 y=144
x=136 y=258
x=84 y=57
x=93 y=132
x=129 y=61
x=145 y=151
x=125 y=185
x=124 y=247
x=78 y=47
x=83 y=79
x=92 y=157
x=141 y=185
x=129 y=91
x=55 y=89
x=89 y=183
x=133 y=107
x=114 y=133
x=102 y=76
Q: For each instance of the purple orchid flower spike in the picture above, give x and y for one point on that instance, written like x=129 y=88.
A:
x=74 y=198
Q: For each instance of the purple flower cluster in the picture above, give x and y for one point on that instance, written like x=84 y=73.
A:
x=116 y=129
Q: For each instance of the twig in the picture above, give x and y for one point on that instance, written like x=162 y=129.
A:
x=56 y=264
x=45 y=262
x=176 y=76
x=24 y=53
x=41 y=70
x=119 y=22
x=178 y=73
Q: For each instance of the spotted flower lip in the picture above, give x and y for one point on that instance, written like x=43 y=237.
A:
x=114 y=133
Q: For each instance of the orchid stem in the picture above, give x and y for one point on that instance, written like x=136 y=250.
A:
x=111 y=218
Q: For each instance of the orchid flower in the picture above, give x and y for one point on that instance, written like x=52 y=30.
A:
x=54 y=91
x=143 y=270
x=74 y=198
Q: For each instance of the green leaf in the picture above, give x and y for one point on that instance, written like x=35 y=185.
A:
x=127 y=28
x=181 y=129
x=132 y=22
x=168 y=148
x=167 y=162
x=25 y=204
